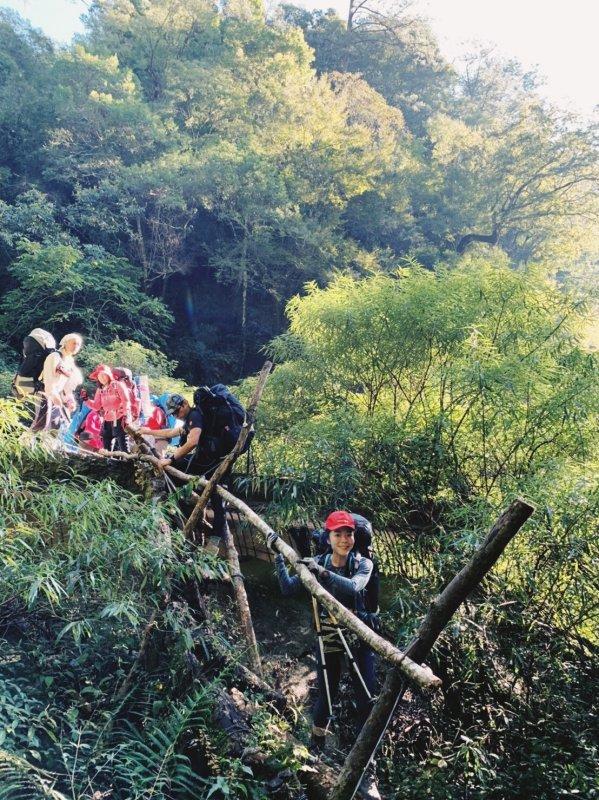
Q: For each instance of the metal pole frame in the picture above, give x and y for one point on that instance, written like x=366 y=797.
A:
x=351 y=658
x=323 y=662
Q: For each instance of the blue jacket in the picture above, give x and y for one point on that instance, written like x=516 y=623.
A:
x=77 y=420
x=171 y=420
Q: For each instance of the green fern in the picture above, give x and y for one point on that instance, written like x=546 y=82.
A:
x=149 y=764
x=20 y=780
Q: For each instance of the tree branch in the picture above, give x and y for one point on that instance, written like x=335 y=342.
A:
x=440 y=612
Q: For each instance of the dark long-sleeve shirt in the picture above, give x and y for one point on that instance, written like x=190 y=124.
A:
x=348 y=590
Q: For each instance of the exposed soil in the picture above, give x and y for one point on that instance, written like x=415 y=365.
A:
x=284 y=631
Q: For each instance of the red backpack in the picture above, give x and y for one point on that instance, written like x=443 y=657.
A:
x=126 y=376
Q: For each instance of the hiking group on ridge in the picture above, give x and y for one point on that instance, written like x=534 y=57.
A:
x=202 y=434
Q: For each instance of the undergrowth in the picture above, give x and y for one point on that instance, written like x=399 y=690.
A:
x=87 y=569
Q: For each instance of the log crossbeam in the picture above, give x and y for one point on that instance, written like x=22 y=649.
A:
x=421 y=676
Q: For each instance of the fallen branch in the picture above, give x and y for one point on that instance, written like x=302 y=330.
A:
x=247 y=677
x=141 y=442
x=241 y=598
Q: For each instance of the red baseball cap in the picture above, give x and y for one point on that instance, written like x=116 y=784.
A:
x=93 y=375
x=339 y=519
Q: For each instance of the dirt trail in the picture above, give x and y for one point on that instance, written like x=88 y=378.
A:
x=284 y=631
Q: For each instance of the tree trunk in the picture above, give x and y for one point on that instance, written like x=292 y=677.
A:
x=470 y=238
x=142 y=253
x=244 y=306
x=350 y=15
x=440 y=612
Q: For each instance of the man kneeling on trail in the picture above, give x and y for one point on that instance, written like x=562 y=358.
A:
x=344 y=574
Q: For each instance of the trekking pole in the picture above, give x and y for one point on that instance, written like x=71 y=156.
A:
x=323 y=662
x=351 y=658
x=353 y=663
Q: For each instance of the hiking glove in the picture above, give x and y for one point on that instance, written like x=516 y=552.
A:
x=314 y=567
x=271 y=539
x=371 y=619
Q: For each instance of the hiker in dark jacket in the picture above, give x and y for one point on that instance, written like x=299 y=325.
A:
x=184 y=457
x=188 y=434
x=344 y=574
x=363 y=536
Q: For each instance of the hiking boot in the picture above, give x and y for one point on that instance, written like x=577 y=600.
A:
x=368 y=789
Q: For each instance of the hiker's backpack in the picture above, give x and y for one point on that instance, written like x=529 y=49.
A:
x=37 y=346
x=363 y=545
x=223 y=415
x=126 y=376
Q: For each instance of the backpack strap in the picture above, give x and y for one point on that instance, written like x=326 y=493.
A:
x=353 y=562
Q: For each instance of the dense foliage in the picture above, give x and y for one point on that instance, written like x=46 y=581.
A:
x=217 y=158
x=427 y=402
x=87 y=571
x=170 y=184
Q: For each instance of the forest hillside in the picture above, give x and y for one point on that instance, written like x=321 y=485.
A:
x=194 y=188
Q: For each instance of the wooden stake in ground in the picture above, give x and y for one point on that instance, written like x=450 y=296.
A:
x=243 y=607
x=440 y=612
x=231 y=457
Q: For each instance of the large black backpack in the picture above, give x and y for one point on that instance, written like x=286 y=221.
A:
x=223 y=416
x=32 y=364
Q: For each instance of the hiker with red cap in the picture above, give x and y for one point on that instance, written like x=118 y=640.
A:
x=112 y=402
x=344 y=573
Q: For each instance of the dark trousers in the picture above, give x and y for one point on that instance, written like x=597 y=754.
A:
x=43 y=420
x=365 y=660
x=114 y=430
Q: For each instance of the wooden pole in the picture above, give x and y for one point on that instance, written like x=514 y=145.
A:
x=243 y=606
x=231 y=457
x=440 y=612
